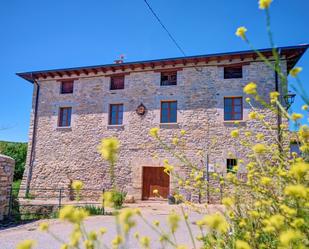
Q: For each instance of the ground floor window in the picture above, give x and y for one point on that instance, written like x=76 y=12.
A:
x=230 y=164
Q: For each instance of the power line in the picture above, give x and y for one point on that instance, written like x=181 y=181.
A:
x=164 y=27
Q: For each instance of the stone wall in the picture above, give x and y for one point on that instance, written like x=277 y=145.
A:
x=7 y=165
x=66 y=154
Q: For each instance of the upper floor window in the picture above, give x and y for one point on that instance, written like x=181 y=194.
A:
x=117 y=82
x=67 y=86
x=168 y=111
x=64 y=119
x=169 y=78
x=115 y=114
x=233 y=108
x=232 y=72
x=230 y=164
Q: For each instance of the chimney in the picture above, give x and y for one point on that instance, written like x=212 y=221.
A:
x=120 y=60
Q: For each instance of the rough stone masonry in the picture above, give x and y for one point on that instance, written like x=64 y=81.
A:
x=7 y=165
x=61 y=155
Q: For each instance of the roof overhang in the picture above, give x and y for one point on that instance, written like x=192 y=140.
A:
x=291 y=53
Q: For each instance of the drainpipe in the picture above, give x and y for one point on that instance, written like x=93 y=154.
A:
x=279 y=114
x=34 y=131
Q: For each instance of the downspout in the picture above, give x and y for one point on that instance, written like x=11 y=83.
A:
x=34 y=131
x=279 y=114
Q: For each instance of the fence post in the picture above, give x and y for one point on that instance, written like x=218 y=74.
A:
x=103 y=206
x=60 y=198
x=10 y=202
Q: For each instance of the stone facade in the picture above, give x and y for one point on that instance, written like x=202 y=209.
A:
x=65 y=154
x=7 y=165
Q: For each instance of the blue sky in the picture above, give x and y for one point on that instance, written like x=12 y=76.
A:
x=48 y=34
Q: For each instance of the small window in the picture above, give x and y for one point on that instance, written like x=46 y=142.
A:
x=233 y=108
x=169 y=78
x=64 y=119
x=67 y=87
x=233 y=72
x=230 y=164
x=117 y=82
x=116 y=114
x=169 y=112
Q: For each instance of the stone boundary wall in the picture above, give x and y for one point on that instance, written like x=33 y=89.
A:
x=7 y=165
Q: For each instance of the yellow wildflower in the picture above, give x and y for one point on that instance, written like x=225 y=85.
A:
x=274 y=96
x=92 y=235
x=109 y=148
x=72 y=214
x=64 y=246
x=288 y=236
x=136 y=235
x=247 y=133
x=88 y=244
x=304 y=107
x=117 y=240
x=145 y=242
x=228 y=202
x=216 y=222
x=259 y=136
x=295 y=71
x=287 y=210
x=43 y=226
x=77 y=185
x=183 y=132
x=241 y=32
x=299 y=170
x=252 y=115
x=173 y=221
x=235 y=133
x=248 y=100
x=264 y=4
x=298 y=191
x=250 y=88
x=296 y=116
x=276 y=221
x=108 y=199
x=156 y=223
x=75 y=238
x=26 y=244
x=181 y=247
x=240 y=244
x=259 y=148
x=102 y=230
x=265 y=181
x=297 y=223
x=175 y=141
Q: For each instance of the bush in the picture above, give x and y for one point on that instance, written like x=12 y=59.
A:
x=17 y=151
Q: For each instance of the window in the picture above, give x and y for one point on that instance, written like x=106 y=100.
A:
x=230 y=163
x=64 y=119
x=233 y=72
x=233 y=108
x=66 y=87
x=116 y=114
x=168 y=111
x=169 y=78
x=117 y=82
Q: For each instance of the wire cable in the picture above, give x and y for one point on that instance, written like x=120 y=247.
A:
x=164 y=27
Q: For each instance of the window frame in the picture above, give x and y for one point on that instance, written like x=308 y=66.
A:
x=117 y=113
x=233 y=107
x=62 y=91
x=169 y=82
x=68 y=117
x=231 y=75
x=169 y=102
x=112 y=82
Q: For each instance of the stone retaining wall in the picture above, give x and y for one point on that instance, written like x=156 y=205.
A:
x=7 y=165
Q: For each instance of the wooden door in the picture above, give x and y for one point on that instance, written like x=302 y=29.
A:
x=155 y=178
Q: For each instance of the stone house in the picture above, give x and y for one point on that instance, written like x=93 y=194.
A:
x=75 y=108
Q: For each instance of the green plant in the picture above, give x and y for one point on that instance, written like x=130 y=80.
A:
x=94 y=210
x=17 y=151
x=118 y=199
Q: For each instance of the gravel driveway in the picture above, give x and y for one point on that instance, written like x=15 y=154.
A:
x=153 y=211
